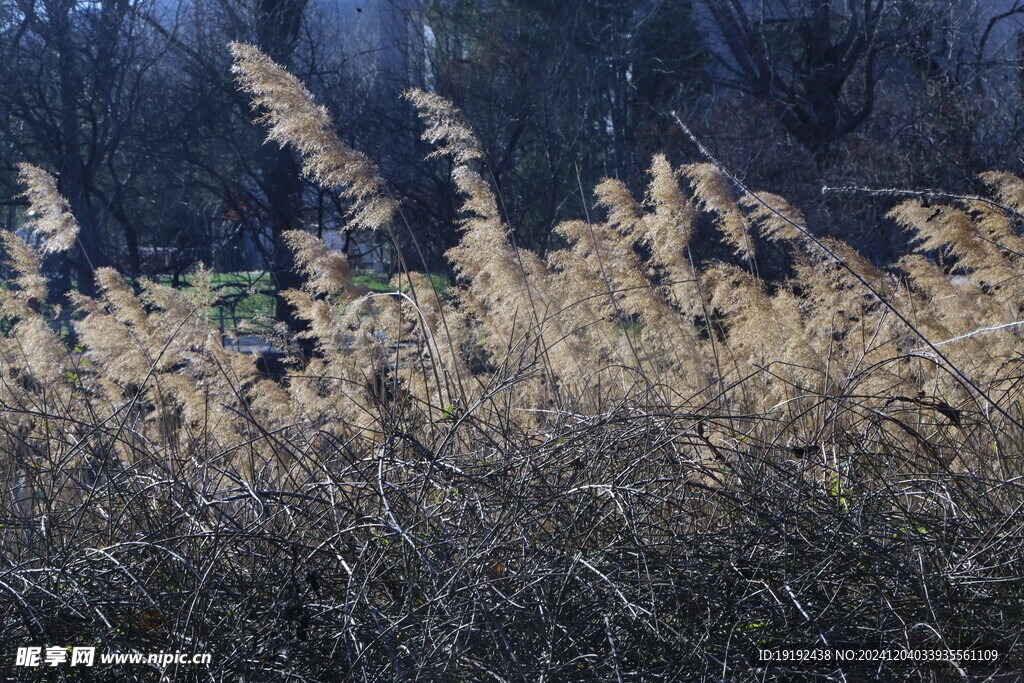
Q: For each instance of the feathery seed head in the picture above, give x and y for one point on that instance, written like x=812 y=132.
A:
x=51 y=215
x=445 y=127
x=295 y=120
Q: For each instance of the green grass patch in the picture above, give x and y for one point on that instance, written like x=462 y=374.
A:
x=378 y=282
x=245 y=295
x=241 y=295
x=374 y=282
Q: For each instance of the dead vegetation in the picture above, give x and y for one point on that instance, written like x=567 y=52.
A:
x=616 y=462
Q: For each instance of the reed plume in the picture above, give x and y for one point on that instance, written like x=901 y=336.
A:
x=294 y=119
x=50 y=214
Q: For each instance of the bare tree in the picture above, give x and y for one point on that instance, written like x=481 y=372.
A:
x=803 y=57
x=77 y=76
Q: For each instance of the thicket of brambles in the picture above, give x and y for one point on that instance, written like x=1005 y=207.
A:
x=617 y=462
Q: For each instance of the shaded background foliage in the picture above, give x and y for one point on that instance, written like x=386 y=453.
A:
x=131 y=103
